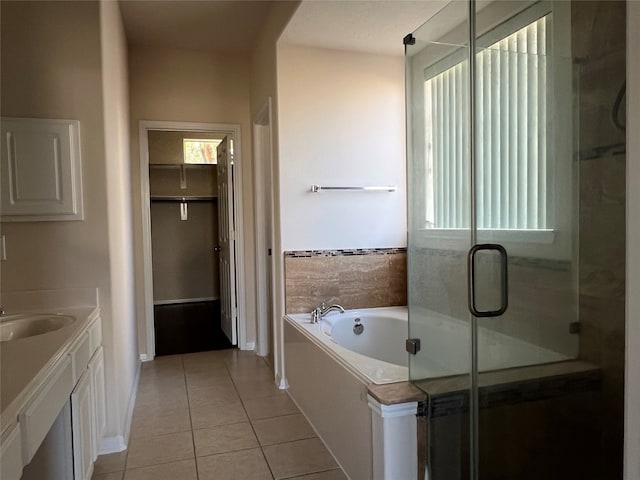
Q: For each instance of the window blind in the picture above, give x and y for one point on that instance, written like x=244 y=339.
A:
x=512 y=160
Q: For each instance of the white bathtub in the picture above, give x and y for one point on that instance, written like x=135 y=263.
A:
x=378 y=353
x=329 y=367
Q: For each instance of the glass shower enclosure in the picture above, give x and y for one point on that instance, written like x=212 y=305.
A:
x=494 y=202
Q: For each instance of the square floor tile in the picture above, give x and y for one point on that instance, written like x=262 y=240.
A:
x=157 y=422
x=145 y=451
x=249 y=389
x=298 y=458
x=214 y=415
x=282 y=429
x=226 y=438
x=206 y=379
x=212 y=395
x=113 y=462
x=242 y=465
x=183 y=470
x=108 y=476
x=267 y=407
x=328 y=475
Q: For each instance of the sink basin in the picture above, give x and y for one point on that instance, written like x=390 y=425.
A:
x=14 y=327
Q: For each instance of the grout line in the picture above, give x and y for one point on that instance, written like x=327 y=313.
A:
x=251 y=424
x=193 y=440
x=314 y=473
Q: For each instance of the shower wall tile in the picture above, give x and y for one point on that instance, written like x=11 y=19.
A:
x=542 y=296
x=598 y=38
x=353 y=278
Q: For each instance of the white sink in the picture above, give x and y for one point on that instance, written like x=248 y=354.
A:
x=14 y=327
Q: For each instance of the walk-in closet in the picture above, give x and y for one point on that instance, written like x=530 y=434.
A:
x=184 y=211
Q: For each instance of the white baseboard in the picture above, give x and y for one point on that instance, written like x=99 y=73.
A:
x=248 y=346
x=144 y=357
x=118 y=443
x=113 y=444
x=281 y=382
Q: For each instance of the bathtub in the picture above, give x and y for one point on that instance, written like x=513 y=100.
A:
x=376 y=351
x=328 y=370
x=329 y=366
x=377 y=355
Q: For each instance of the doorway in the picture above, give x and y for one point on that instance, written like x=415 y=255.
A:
x=264 y=222
x=184 y=218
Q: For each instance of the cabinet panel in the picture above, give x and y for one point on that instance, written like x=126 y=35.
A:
x=11 y=456
x=81 y=420
x=80 y=355
x=96 y=367
x=37 y=418
x=41 y=174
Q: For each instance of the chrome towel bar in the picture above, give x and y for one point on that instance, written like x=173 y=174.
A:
x=384 y=188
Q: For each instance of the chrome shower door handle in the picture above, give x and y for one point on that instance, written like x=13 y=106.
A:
x=471 y=278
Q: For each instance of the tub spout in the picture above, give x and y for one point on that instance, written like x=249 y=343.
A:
x=319 y=312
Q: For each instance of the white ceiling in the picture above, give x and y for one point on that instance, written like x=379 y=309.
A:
x=376 y=26
x=231 y=26
x=228 y=26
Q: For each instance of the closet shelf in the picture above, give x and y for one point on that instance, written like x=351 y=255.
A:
x=185 y=198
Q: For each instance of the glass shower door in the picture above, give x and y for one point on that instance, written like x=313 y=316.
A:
x=492 y=251
x=439 y=235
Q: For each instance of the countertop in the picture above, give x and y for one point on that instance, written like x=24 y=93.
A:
x=25 y=363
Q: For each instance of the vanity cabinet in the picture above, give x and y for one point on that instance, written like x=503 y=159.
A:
x=87 y=401
x=81 y=420
x=75 y=377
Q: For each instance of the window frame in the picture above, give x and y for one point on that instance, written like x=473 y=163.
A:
x=499 y=20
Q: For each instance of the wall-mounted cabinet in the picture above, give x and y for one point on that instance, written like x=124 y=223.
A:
x=41 y=170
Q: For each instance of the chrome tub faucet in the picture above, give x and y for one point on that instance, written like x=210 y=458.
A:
x=319 y=312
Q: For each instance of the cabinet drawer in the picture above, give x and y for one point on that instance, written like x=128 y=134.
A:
x=95 y=335
x=36 y=420
x=10 y=455
x=80 y=353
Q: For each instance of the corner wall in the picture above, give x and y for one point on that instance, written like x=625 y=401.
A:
x=632 y=400
x=342 y=119
x=124 y=351
x=264 y=84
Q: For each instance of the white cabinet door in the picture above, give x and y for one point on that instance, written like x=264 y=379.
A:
x=81 y=420
x=96 y=367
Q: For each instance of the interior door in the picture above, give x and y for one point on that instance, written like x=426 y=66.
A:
x=226 y=243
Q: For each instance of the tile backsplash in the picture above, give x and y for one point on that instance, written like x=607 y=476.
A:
x=353 y=278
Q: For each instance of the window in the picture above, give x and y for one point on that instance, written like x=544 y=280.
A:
x=200 y=150
x=514 y=153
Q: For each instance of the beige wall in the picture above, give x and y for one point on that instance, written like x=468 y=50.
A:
x=122 y=357
x=191 y=86
x=632 y=419
x=264 y=85
x=341 y=120
x=51 y=68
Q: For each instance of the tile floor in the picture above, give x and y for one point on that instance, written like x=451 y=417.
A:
x=216 y=415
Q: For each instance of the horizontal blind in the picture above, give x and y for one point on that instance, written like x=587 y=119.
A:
x=511 y=125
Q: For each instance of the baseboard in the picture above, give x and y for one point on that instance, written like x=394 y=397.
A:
x=145 y=357
x=118 y=443
x=113 y=444
x=248 y=346
x=281 y=382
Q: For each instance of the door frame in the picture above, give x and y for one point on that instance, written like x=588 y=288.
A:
x=263 y=160
x=233 y=130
